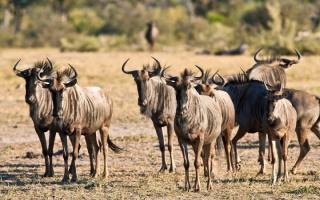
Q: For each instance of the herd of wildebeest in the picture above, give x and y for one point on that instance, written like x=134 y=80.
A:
x=201 y=109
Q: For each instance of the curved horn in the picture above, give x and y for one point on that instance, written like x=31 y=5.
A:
x=15 y=66
x=256 y=54
x=163 y=72
x=40 y=78
x=202 y=73
x=50 y=64
x=123 y=66
x=245 y=73
x=75 y=72
x=156 y=71
x=214 y=81
x=298 y=57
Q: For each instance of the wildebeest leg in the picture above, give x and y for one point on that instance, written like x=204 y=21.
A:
x=89 y=142
x=274 y=161
x=238 y=136
x=262 y=147
x=162 y=148
x=43 y=142
x=170 y=147
x=208 y=163
x=64 y=142
x=104 y=135
x=52 y=135
x=75 y=155
x=316 y=129
x=184 y=150
x=97 y=151
x=302 y=134
x=197 y=147
x=285 y=145
x=227 y=146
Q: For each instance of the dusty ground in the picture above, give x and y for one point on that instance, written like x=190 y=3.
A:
x=133 y=173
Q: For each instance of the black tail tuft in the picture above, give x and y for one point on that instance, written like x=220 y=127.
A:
x=114 y=147
x=219 y=146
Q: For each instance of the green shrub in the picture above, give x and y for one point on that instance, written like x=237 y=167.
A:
x=214 y=17
x=80 y=43
x=86 y=21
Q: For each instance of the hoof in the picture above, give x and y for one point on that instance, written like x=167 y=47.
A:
x=172 y=170
x=74 y=180
x=46 y=174
x=163 y=169
x=65 y=180
x=293 y=171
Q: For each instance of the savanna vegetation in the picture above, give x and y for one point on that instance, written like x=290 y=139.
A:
x=103 y=25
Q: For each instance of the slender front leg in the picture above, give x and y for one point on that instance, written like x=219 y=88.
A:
x=238 y=136
x=97 y=151
x=274 y=161
x=184 y=150
x=89 y=141
x=64 y=142
x=75 y=155
x=262 y=147
x=43 y=142
x=208 y=163
x=104 y=136
x=52 y=136
x=227 y=146
x=197 y=153
x=286 y=141
x=162 y=148
x=170 y=146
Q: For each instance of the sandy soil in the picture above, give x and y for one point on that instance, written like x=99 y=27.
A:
x=133 y=174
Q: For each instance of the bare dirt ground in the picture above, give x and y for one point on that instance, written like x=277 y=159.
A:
x=133 y=174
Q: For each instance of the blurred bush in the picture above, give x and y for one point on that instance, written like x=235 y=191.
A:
x=79 y=25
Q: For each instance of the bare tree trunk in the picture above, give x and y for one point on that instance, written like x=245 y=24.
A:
x=6 y=18
x=17 y=18
x=190 y=8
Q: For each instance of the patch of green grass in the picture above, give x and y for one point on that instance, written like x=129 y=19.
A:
x=305 y=190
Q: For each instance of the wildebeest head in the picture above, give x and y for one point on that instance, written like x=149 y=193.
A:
x=275 y=93
x=272 y=70
x=57 y=83
x=206 y=87
x=30 y=77
x=183 y=85
x=276 y=60
x=141 y=77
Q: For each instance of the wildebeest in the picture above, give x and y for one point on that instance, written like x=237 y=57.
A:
x=280 y=123
x=197 y=122
x=306 y=104
x=227 y=111
x=158 y=102
x=40 y=105
x=246 y=96
x=151 y=34
x=271 y=70
x=78 y=110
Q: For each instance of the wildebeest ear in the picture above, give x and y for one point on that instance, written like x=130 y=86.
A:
x=172 y=81
x=276 y=89
x=70 y=83
x=45 y=84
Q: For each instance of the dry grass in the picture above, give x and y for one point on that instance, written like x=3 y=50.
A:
x=133 y=174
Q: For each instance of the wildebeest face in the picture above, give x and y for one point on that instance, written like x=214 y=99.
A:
x=141 y=78
x=31 y=81
x=274 y=94
x=57 y=85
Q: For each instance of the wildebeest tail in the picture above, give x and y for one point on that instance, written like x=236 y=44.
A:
x=219 y=145
x=113 y=146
